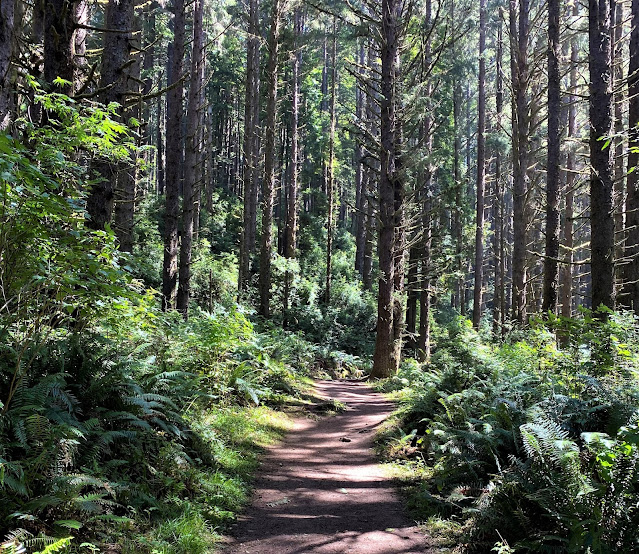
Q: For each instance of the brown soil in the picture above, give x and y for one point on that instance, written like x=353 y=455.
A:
x=321 y=490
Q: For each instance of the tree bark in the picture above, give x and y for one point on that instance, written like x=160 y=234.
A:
x=521 y=126
x=426 y=205
x=59 y=43
x=481 y=169
x=360 y=197
x=498 y=237
x=250 y=144
x=412 y=289
x=127 y=177
x=191 y=166
x=571 y=166
x=458 y=296
x=630 y=293
x=617 y=7
x=371 y=230
x=385 y=359
x=601 y=179
x=159 y=144
x=551 y=267
x=330 y=170
x=268 y=187
x=81 y=17
x=115 y=80
x=290 y=240
x=368 y=186
x=7 y=41
x=174 y=165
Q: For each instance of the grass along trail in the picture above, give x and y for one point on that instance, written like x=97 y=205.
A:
x=322 y=491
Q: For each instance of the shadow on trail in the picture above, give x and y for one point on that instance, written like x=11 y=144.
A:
x=321 y=491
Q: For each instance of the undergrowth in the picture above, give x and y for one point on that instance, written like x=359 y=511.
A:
x=524 y=445
x=142 y=441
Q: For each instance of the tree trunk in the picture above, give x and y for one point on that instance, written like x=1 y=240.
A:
x=330 y=170
x=125 y=191
x=412 y=289
x=551 y=266
x=571 y=166
x=423 y=341
x=369 y=237
x=481 y=169
x=360 y=199
x=59 y=44
x=521 y=127
x=368 y=186
x=426 y=137
x=601 y=180
x=115 y=75
x=498 y=237
x=630 y=294
x=268 y=187
x=290 y=240
x=619 y=100
x=191 y=166
x=81 y=17
x=251 y=114
x=458 y=297
x=174 y=165
x=385 y=359
x=6 y=55
x=159 y=144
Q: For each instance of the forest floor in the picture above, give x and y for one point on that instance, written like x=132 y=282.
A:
x=322 y=491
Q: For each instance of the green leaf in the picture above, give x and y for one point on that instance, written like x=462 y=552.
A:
x=69 y=524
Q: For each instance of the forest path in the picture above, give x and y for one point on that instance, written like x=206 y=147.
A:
x=321 y=490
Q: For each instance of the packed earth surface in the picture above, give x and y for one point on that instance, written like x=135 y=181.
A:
x=321 y=490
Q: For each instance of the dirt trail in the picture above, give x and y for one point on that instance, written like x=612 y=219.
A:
x=321 y=490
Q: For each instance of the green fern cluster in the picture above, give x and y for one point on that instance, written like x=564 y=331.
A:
x=530 y=444
x=75 y=445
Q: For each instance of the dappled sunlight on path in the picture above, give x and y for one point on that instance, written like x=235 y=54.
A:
x=321 y=491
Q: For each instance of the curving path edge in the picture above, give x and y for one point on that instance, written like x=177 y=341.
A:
x=321 y=490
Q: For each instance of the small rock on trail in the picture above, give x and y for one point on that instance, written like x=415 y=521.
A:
x=317 y=493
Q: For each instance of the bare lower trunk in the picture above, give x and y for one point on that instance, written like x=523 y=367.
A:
x=412 y=290
x=290 y=241
x=59 y=44
x=498 y=237
x=551 y=266
x=458 y=297
x=571 y=166
x=115 y=83
x=7 y=41
x=619 y=100
x=521 y=127
x=630 y=291
x=82 y=17
x=360 y=199
x=481 y=170
x=268 y=187
x=369 y=240
x=385 y=359
x=330 y=172
x=174 y=165
x=601 y=179
x=191 y=168
x=250 y=145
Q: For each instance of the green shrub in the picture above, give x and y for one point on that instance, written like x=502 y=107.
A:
x=533 y=445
